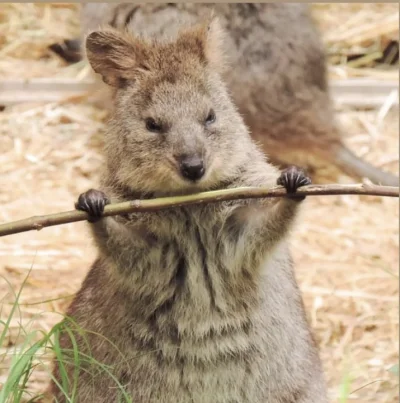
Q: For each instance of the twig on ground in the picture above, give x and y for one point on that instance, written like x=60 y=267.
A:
x=39 y=222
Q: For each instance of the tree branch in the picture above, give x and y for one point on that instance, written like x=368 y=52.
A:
x=39 y=222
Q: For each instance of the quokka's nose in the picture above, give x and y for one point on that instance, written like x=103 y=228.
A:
x=192 y=168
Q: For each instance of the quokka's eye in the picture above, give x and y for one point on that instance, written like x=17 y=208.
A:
x=211 y=117
x=153 y=126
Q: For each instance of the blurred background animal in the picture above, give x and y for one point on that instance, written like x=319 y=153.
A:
x=278 y=79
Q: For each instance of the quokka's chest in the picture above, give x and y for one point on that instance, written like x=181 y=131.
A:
x=195 y=276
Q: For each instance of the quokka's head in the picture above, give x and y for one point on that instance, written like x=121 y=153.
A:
x=174 y=127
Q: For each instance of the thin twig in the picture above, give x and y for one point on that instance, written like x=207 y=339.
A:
x=39 y=222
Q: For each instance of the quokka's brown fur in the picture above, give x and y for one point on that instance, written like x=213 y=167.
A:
x=195 y=304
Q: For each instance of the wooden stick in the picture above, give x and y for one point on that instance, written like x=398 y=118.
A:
x=39 y=222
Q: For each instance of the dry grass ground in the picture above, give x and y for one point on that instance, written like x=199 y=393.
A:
x=346 y=247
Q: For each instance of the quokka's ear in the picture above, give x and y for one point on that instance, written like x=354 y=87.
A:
x=214 y=47
x=207 y=41
x=116 y=55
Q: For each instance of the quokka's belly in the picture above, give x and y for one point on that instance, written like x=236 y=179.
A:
x=232 y=379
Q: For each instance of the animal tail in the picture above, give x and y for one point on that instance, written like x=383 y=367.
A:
x=356 y=167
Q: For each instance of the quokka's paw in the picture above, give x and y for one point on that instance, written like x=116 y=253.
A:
x=69 y=50
x=93 y=202
x=291 y=179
